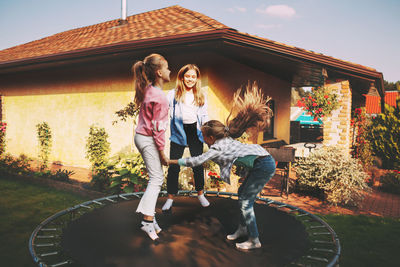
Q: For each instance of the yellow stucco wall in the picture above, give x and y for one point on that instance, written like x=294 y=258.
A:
x=69 y=117
x=71 y=99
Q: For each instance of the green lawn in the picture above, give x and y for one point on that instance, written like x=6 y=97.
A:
x=365 y=241
x=22 y=207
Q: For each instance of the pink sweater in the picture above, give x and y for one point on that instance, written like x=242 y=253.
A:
x=153 y=115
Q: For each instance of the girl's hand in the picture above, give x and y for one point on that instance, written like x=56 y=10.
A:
x=164 y=159
x=173 y=161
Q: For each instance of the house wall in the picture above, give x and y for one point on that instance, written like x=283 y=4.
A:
x=69 y=100
x=72 y=98
x=225 y=76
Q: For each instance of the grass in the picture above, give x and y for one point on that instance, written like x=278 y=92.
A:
x=23 y=206
x=365 y=241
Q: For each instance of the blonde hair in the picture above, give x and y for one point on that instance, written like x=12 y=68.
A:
x=144 y=73
x=180 y=85
x=249 y=110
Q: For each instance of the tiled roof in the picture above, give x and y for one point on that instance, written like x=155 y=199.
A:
x=372 y=103
x=174 y=21
x=170 y=21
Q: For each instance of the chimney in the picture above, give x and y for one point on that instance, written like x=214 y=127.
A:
x=123 y=13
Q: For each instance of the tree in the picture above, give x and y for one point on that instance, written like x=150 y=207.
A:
x=297 y=94
x=390 y=86
x=384 y=136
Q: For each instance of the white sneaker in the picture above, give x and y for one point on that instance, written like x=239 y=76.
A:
x=168 y=204
x=240 y=232
x=203 y=200
x=148 y=228
x=252 y=243
x=156 y=226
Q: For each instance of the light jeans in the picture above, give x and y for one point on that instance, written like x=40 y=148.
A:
x=263 y=170
x=147 y=147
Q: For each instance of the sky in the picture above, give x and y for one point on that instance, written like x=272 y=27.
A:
x=365 y=32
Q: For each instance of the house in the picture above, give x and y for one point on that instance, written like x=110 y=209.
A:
x=80 y=77
x=373 y=101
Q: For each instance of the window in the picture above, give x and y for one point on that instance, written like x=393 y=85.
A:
x=269 y=133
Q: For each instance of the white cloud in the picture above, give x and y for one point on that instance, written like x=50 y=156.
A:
x=237 y=8
x=282 y=11
x=241 y=9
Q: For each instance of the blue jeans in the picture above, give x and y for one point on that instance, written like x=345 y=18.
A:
x=262 y=172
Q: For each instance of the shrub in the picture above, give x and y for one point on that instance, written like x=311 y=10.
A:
x=10 y=164
x=62 y=175
x=185 y=179
x=390 y=182
x=97 y=148
x=361 y=147
x=45 y=142
x=21 y=166
x=339 y=179
x=3 y=127
x=215 y=181
x=130 y=111
x=100 y=181
x=128 y=173
x=319 y=102
x=384 y=136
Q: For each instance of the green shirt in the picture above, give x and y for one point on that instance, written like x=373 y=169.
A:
x=246 y=161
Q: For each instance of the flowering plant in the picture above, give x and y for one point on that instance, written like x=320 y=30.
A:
x=3 y=127
x=319 y=103
x=215 y=180
x=361 y=148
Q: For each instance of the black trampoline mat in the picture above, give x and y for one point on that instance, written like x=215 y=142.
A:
x=191 y=236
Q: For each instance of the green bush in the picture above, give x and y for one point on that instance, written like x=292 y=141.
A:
x=97 y=148
x=45 y=143
x=336 y=178
x=3 y=128
x=59 y=175
x=62 y=175
x=101 y=181
x=21 y=166
x=130 y=111
x=10 y=164
x=390 y=182
x=384 y=136
x=128 y=173
x=361 y=147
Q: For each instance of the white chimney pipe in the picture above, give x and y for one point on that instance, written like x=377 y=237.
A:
x=123 y=10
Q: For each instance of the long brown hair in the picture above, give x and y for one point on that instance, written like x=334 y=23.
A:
x=144 y=73
x=180 y=85
x=249 y=110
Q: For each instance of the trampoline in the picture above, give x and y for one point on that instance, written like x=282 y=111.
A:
x=105 y=232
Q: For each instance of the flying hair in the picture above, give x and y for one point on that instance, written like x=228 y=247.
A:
x=249 y=110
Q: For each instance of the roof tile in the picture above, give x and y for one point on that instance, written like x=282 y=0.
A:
x=170 y=21
x=372 y=103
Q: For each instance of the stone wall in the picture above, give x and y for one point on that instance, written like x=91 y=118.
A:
x=337 y=125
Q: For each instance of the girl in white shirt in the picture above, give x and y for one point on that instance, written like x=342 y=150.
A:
x=188 y=112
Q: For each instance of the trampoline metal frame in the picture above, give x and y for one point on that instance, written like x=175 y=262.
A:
x=325 y=249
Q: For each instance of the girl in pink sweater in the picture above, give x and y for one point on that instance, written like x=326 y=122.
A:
x=150 y=75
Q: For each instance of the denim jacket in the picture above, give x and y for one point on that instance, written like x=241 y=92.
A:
x=178 y=135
